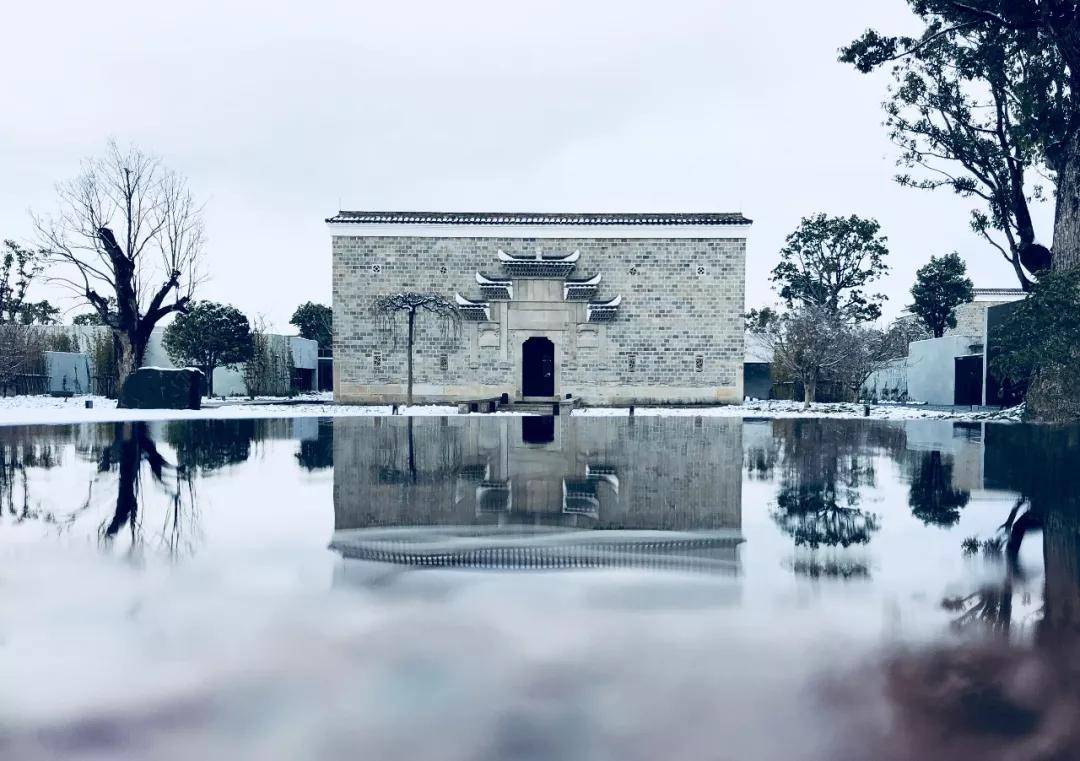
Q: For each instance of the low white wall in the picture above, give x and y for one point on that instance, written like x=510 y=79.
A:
x=69 y=372
x=931 y=368
x=229 y=381
x=888 y=383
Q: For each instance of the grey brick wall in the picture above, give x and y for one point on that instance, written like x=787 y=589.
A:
x=971 y=319
x=682 y=299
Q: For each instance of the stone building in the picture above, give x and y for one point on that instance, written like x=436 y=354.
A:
x=604 y=308
x=971 y=317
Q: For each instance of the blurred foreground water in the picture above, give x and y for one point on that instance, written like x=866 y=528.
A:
x=540 y=588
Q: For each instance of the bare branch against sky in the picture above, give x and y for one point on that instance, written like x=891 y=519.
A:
x=279 y=117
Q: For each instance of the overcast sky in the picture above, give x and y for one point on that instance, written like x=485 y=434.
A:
x=280 y=113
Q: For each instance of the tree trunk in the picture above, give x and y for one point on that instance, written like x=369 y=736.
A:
x=125 y=362
x=1066 y=246
x=809 y=392
x=127 y=503
x=412 y=451
x=412 y=325
x=130 y=352
x=209 y=372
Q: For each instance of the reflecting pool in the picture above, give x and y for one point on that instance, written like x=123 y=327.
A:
x=540 y=588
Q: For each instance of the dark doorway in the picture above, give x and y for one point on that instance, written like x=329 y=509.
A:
x=537 y=429
x=969 y=371
x=538 y=367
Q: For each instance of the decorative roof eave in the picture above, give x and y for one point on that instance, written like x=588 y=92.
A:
x=579 y=498
x=603 y=311
x=473 y=310
x=495 y=288
x=553 y=260
x=539 y=265
x=580 y=290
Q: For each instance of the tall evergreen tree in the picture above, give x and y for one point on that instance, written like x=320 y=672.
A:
x=209 y=336
x=940 y=286
x=316 y=322
x=829 y=261
x=984 y=97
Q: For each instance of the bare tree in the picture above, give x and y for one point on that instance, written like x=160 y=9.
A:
x=810 y=343
x=269 y=368
x=387 y=308
x=874 y=349
x=128 y=238
x=21 y=352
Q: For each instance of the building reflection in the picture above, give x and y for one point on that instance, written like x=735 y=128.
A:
x=538 y=492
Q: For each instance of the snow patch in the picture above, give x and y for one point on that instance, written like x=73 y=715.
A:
x=23 y=410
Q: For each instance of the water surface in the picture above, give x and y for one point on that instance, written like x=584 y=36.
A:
x=501 y=588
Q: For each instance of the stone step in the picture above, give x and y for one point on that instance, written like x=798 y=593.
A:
x=536 y=406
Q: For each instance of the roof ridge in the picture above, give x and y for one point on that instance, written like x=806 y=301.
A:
x=549 y=218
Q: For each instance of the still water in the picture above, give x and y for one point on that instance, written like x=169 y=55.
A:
x=540 y=588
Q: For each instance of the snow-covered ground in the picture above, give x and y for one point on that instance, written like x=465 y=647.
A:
x=16 y=410
x=785 y=409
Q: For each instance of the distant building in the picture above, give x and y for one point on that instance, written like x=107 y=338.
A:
x=606 y=308
x=971 y=317
x=73 y=351
x=953 y=369
x=757 y=368
x=302 y=354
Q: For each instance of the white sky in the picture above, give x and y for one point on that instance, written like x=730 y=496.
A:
x=280 y=113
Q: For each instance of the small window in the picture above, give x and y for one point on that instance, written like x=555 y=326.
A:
x=376 y=361
x=631 y=362
x=376 y=268
x=633 y=270
x=701 y=269
x=699 y=363
x=444 y=362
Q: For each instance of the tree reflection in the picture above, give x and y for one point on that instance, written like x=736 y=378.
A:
x=1040 y=463
x=17 y=454
x=932 y=497
x=846 y=569
x=211 y=444
x=824 y=467
x=818 y=514
x=132 y=448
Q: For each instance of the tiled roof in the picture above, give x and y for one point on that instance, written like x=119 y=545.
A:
x=999 y=291
x=999 y=294
x=518 y=218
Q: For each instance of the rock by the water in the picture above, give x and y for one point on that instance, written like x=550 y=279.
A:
x=150 y=388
